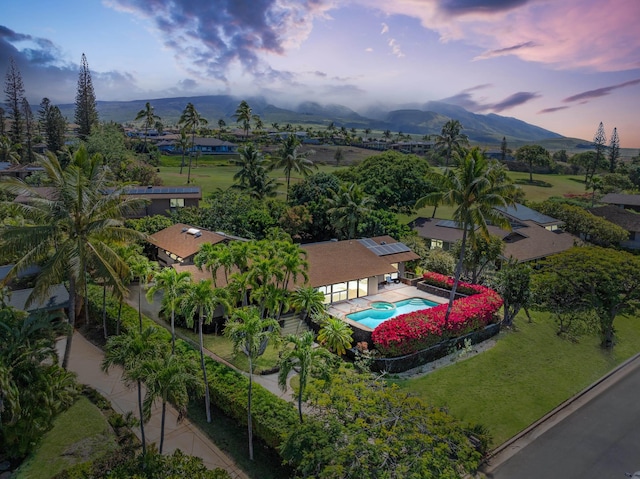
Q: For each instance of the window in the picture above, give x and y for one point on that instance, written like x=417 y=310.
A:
x=435 y=243
x=176 y=203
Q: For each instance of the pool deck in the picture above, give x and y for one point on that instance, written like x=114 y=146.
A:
x=389 y=292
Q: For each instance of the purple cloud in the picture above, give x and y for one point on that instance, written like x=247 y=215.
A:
x=514 y=100
x=551 y=110
x=598 y=92
x=460 y=7
x=505 y=51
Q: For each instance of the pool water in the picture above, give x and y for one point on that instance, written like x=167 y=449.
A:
x=373 y=317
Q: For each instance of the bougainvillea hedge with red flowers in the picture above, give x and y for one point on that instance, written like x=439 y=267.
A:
x=411 y=332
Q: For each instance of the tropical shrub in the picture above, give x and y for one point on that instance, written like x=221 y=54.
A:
x=411 y=332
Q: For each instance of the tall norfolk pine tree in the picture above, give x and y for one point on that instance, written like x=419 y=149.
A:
x=14 y=90
x=86 y=114
x=614 y=151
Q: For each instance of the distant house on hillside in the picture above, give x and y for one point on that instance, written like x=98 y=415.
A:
x=202 y=146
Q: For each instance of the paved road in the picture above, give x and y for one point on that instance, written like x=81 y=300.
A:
x=597 y=440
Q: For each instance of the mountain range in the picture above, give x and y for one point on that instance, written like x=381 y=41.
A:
x=419 y=119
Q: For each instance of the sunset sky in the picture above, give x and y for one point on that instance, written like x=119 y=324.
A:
x=564 y=65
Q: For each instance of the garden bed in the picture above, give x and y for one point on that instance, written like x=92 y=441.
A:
x=401 y=364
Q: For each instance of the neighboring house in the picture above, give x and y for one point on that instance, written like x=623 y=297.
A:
x=58 y=295
x=627 y=202
x=178 y=244
x=626 y=219
x=533 y=235
x=163 y=200
x=160 y=200
x=201 y=146
x=17 y=171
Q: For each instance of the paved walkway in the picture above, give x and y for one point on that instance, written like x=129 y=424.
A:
x=86 y=360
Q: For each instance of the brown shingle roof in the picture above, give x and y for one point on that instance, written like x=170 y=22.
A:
x=177 y=240
x=621 y=199
x=338 y=261
x=618 y=216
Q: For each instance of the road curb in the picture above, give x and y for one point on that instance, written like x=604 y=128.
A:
x=511 y=446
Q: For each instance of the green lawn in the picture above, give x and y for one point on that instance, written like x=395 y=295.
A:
x=79 y=434
x=223 y=347
x=524 y=376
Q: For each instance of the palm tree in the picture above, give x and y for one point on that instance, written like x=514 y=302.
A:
x=291 y=159
x=305 y=359
x=191 y=121
x=347 y=207
x=451 y=140
x=183 y=144
x=336 y=335
x=142 y=269
x=252 y=176
x=475 y=187
x=221 y=125
x=70 y=229
x=149 y=119
x=250 y=334
x=201 y=300
x=308 y=300
x=244 y=114
x=169 y=378
x=130 y=351
x=9 y=152
x=172 y=284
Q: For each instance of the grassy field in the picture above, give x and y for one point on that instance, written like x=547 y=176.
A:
x=524 y=376
x=223 y=347
x=79 y=434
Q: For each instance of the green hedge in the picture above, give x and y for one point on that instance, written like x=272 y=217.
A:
x=272 y=417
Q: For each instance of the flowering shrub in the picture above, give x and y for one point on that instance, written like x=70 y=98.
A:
x=412 y=332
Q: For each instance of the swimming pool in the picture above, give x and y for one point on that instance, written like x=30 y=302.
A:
x=381 y=311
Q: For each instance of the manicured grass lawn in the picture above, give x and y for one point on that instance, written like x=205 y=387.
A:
x=525 y=375
x=223 y=347
x=79 y=434
x=216 y=173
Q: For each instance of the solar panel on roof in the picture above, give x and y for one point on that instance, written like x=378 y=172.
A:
x=448 y=224
x=368 y=242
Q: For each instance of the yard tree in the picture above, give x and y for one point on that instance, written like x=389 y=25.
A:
x=348 y=206
x=365 y=428
x=29 y=131
x=614 y=151
x=291 y=159
x=252 y=177
x=301 y=355
x=169 y=378
x=533 y=155
x=70 y=229
x=335 y=334
x=395 y=180
x=14 y=91
x=86 y=111
x=52 y=125
x=600 y=146
x=148 y=118
x=249 y=334
x=244 y=115
x=33 y=388
x=475 y=186
x=129 y=351
x=481 y=253
x=504 y=150
x=451 y=141
x=172 y=284
x=201 y=301
x=191 y=121
x=608 y=279
x=512 y=282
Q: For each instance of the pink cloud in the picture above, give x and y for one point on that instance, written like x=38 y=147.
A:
x=596 y=35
